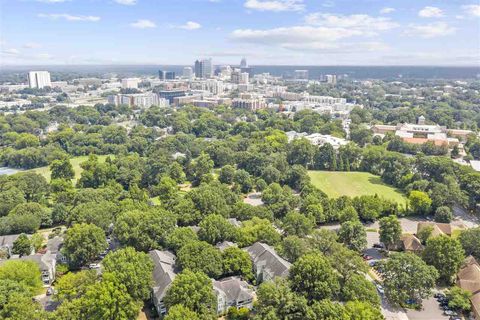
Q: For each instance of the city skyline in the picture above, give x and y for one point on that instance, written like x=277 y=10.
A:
x=275 y=32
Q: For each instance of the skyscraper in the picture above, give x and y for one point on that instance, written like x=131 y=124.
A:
x=166 y=75
x=188 y=73
x=203 y=68
x=243 y=63
x=39 y=79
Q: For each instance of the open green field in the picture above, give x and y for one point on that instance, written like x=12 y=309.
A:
x=352 y=184
x=75 y=161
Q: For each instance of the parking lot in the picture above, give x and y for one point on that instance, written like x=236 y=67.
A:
x=431 y=311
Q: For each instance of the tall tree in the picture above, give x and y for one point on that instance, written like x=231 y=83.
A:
x=445 y=254
x=353 y=235
x=83 y=243
x=390 y=231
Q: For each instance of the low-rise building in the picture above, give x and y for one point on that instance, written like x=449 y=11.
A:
x=232 y=292
x=267 y=264
x=163 y=276
x=468 y=278
x=439 y=229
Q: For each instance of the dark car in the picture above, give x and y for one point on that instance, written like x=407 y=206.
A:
x=379 y=245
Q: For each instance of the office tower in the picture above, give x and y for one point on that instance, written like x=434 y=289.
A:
x=188 y=73
x=203 y=68
x=244 y=78
x=301 y=74
x=39 y=79
x=130 y=83
x=243 y=63
x=166 y=75
x=331 y=78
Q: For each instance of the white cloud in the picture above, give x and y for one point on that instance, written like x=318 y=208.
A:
x=143 y=24
x=387 y=10
x=275 y=5
x=431 y=12
x=69 y=17
x=191 y=25
x=432 y=30
x=472 y=9
x=31 y=45
x=361 y=22
x=127 y=2
x=11 y=51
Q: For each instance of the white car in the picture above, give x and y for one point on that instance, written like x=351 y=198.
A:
x=94 y=266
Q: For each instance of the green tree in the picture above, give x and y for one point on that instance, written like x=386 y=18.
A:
x=445 y=254
x=390 y=231
x=313 y=276
x=360 y=310
x=194 y=291
x=420 y=202
x=297 y=224
x=353 y=235
x=443 y=214
x=359 y=288
x=62 y=169
x=83 y=243
x=37 y=241
x=293 y=247
x=22 y=246
x=201 y=256
x=25 y=273
x=203 y=166
x=20 y=306
x=9 y=199
x=237 y=262
x=470 y=240
x=215 y=228
x=459 y=299
x=179 y=237
x=74 y=285
x=144 y=230
x=406 y=276
x=255 y=230
x=109 y=299
x=133 y=269
x=178 y=311
x=226 y=174
x=166 y=190
x=425 y=233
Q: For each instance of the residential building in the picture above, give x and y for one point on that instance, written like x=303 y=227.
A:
x=163 y=276
x=317 y=139
x=54 y=246
x=267 y=264
x=203 y=69
x=140 y=100
x=331 y=78
x=166 y=75
x=439 y=229
x=301 y=74
x=6 y=245
x=468 y=278
x=410 y=243
x=188 y=73
x=171 y=94
x=39 y=79
x=130 y=83
x=249 y=103
x=232 y=292
x=47 y=263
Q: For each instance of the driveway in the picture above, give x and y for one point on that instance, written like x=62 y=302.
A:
x=431 y=311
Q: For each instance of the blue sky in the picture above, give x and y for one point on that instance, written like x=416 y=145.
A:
x=288 y=32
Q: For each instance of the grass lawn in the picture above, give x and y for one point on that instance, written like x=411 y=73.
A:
x=75 y=161
x=336 y=184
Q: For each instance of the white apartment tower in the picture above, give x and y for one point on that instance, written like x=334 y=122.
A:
x=39 y=79
x=130 y=83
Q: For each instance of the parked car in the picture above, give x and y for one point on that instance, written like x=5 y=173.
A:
x=367 y=257
x=379 y=245
x=450 y=313
x=50 y=291
x=380 y=289
x=94 y=266
x=439 y=295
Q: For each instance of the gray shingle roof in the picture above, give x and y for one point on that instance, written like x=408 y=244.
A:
x=264 y=255
x=163 y=272
x=234 y=288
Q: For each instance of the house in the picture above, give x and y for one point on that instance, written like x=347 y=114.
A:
x=224 y=245
x=232 y=292
x=468 y=278
x=439 y=229
x=410 y=243
x=163 y=276
x=267 y=264
x=54 y=246
x=6 y=244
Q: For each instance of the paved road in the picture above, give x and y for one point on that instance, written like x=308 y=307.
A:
x=389 y=312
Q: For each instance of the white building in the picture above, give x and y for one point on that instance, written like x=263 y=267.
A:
x=331 y=78
x=130 y=83
x=140 y=100
x=188 y=73
x=39 y=79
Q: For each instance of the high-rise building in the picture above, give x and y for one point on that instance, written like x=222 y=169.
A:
x=331 y=78
x=130 y=83
x=188 y=73
x=301 y=74
x=39 y=79
x=203 y=68
x=244 y=78
x=243 y=63
x=166 y=75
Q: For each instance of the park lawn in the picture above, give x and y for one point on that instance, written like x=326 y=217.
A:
x=352 y=184
x=75 y=161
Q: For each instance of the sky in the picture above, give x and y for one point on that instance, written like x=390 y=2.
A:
x=266 y=32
